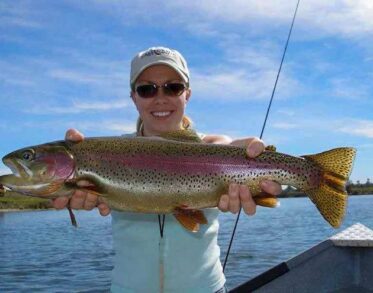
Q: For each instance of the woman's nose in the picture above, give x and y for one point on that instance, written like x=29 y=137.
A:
x=161 y=96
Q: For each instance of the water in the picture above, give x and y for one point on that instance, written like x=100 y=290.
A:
x=276 y=235
x=40 y=251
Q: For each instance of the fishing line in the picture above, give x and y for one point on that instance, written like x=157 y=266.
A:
x=161 y=224
x=264 y=123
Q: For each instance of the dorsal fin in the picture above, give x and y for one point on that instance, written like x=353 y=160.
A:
x=270 y=148
x=182 y=135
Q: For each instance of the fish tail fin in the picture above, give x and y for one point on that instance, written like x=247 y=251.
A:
x=330 y=197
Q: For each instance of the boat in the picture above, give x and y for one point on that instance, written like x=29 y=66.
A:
x=342 y=263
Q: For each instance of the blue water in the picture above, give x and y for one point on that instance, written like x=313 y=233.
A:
x=40 y=251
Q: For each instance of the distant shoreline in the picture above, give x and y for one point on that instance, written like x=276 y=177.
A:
x=12 y=202
x=295 y=195
x=21 y=210
x=352 y=190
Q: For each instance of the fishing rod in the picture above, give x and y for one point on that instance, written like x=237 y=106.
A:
x=265 y=122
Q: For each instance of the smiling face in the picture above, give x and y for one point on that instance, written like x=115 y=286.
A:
x=161 y=113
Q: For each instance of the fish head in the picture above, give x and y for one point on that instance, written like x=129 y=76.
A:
x=38 y=170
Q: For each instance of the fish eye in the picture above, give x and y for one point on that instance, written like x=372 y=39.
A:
x=28 y=155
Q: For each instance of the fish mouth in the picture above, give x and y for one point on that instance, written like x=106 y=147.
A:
x=21 y=179
x=17 y=167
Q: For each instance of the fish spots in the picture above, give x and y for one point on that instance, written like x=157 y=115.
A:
x=149 y=169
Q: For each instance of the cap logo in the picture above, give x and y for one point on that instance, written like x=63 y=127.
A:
x=158 y=52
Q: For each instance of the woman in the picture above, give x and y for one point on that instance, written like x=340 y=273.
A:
x=152 y=253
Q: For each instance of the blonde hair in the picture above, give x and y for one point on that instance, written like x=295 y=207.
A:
x=186 y=123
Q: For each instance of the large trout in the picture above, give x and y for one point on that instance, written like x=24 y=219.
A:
x=175 y=174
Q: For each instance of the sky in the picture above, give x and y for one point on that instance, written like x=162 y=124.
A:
x=65 y=64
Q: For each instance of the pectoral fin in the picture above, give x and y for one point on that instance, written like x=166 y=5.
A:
x=91 y=191
x=84 y=185
x=2 y=190
x=190 y=219
x=52 y=187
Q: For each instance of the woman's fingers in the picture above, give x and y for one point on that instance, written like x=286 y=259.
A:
x=247 y=202
x=90 y=202
x=238 y=196
x=74 y=135
x=104 y=209
x=82 y=200
x=234 y=198
x=78 y=199
x=271 y=187
x=60 y=202
x=255 y=147
x=224 y=203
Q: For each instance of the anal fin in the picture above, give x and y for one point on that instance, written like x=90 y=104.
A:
x=190 y=219
x=266 y=200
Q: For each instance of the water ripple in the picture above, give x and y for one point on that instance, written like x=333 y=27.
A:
x=42 y=252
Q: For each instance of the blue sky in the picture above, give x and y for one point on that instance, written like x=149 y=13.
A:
x=65 y=64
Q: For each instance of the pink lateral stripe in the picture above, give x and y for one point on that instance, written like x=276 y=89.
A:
x=185 y=164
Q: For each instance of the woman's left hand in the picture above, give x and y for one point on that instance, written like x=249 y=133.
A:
x=239 y=195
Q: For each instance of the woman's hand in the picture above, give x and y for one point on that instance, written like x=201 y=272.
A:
x=239 y=195
x=81 y=199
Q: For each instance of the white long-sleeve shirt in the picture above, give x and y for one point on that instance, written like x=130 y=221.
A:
x=181 y=261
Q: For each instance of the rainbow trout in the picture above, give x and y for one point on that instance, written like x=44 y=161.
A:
x=175 y=173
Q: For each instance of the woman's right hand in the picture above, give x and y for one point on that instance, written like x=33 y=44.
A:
x=80 y=199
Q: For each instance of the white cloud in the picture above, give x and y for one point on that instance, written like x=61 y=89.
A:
x=363 y=128
x=350 y=89
x=4 y=171
x=365 y=146
x=41 y=80
x=113 y=125
x=78 y=107
x=348 y=18
x=340 y=17
x=239 y=84
x=117 y=126
x=17 y=21
x=284 y=125
x=101 y=106
x=317 y=17
x=108 y=76
x=312 y=124
x=257 y=56
x=287 y=112
x=238 y=11
x=106 y=126
x=16 y=75
x=77 y=77
x=17 y=14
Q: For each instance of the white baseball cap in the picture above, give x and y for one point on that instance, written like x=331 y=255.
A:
x=158 y=55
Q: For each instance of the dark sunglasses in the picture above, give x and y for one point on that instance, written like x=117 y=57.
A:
x=172 y=89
